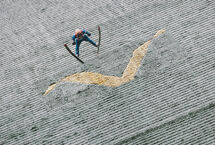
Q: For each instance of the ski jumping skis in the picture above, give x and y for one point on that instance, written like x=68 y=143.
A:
x=99 y=39
x=65 y=45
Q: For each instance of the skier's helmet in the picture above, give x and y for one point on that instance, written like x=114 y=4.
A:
x=78 y=32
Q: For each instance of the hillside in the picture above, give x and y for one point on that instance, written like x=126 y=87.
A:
x=145 y=87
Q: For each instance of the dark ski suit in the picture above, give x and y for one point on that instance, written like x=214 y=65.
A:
x=78 y=41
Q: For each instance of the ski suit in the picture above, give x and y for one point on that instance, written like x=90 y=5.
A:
x=78 y=41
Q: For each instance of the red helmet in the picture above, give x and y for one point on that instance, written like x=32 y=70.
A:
x=78 y=32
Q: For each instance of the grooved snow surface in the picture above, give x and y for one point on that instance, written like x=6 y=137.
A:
x=170 y=101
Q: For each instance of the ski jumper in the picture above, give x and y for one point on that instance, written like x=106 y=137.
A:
x=84 y=38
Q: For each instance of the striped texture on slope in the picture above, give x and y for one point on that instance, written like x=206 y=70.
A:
x=99 y=79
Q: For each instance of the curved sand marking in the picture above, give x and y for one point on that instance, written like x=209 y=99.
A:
x=110 y=81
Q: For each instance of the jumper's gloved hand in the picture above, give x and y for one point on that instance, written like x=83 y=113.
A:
x=73 y=43
x=89 y=34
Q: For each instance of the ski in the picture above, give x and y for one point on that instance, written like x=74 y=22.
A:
x=65 y=45
x=99 y=39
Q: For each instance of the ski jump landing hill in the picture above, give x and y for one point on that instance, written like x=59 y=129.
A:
x=152 y=83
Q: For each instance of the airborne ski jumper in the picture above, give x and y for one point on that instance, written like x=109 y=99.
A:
x=79 y=36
